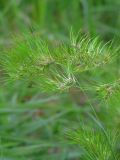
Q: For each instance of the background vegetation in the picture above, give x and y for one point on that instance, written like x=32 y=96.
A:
x=81 y=122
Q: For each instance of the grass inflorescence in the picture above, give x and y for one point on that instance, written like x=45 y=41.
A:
x=53 y=68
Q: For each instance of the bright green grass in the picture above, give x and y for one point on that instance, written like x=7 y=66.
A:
x=33 y=124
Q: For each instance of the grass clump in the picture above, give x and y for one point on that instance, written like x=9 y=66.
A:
x=50 y=68
x=52 y=83
x=95 y=144
x=54 y=68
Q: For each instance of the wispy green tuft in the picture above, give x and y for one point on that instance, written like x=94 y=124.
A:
x=52 y=67
x=95 y=144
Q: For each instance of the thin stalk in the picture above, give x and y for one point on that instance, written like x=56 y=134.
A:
x=97 y=121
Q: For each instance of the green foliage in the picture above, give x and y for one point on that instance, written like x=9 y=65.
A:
x=108 y=90
x=81 y=73
x=95 y=143
x=54 y=68
x=51 y=68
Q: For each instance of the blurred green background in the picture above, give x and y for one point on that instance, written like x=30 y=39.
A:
x=32 y=124
x=57 y=16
